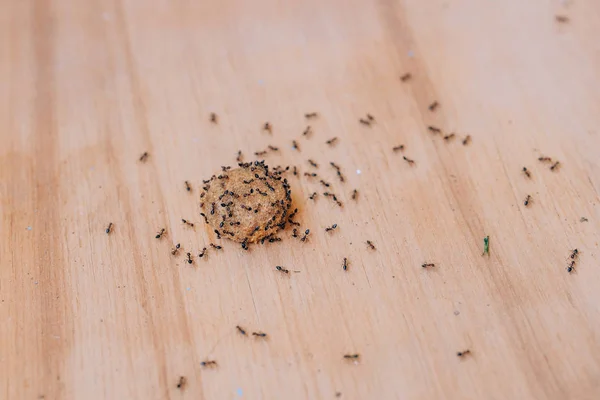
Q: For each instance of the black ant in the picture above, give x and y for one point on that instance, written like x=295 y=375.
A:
x=312 y=196
x=332 y=141
x=189 y=258
x=324 y=183
x=259 y=334
x=203 y=253
x=365 y=122
x=310 y=175
x=205 y=219
x=267 y=127
x=187 y=186
x=527 y=200
x=144 y=157
x=159 y=234
x=463 y=353
x=332 y=227
x=218 y=233
x=295 y=171
x=574 y=254
x=188 y=223
x=239 y=156
x=398 y=148
x=434 y=129
x=345 y=265
x=351 y=356
x=555 y=166
x=314 y=164
x=241 y=330
x=273 y=148
x=526 y=172
x=216 y=247
x=285 y=271
x=209 y=363
x=182 y=383
x=310 y=115
x=295 y=233
x=334 y=165
x=306 y=233
x=341 y=176
x=109 y=228
x=433 y=106
x=370 y=117
x=571 y=267
x=371 y=245
x=354 y=194
x=405 y=77
x=545 y=159
x=466 y=140
x=427 y=265
x=409 y=161
x=213 y=118
x=295 y=145
x=449 y=137
x=307 y=131
x=175 y=249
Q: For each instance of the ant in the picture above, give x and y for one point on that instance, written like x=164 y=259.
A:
x=371 y=245
x=313 y=164
x=449 y=137
x=188 y=223
x=203 y=253
x=409 y=161
x=545 y=159
x=306 y=233
x=466 y=140
x=239 y=156
x=307 y=131
x=159 y=234
x=526 y=172
x=334 y=165
x=406 y=77
x=571 y=267
x=187 y=186
x=144 y=157
x=354 y=194
x=574 y=254
x=463 y=353
x=216 y=247
x=267 y=127
x=218 y=233
x=278 y=268
x=365 y=122
x=527 y=200
x=209 y=363
x=332 y=141
x=205 y=219
x=295 y=145
x=324 y=183
x=351 y=356
x=295 y=233
x=109 y=228
x=555 y=166
x=341 y=176
x=241 y=330
x=182 y=383
x=561 y=18
x=434 y=129
x=332 y=227
x=398 y=148
x=175 y=249
x=426 y=265
x=310 y=175
x=273 y=148
x=433 y=106
x=295 y=171
x=312 y=196
x=189 y=258
x=260 y=153
x=310 y=115
x=259 y=334
x=370 y=117
x=345 y=265
x=213 y=118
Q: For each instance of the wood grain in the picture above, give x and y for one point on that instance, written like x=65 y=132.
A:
x=87 y=87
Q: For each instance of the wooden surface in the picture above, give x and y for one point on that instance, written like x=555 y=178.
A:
x=86 y=87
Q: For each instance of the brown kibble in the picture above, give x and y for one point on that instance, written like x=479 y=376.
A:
x=249 y=203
